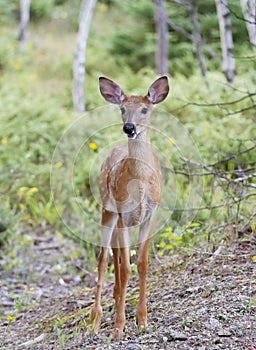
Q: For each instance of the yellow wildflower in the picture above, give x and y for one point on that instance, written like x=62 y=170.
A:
x=93 y=146
x=31 y=191
x=17 y=65
x=4 y=141
x=25 y=193
x=11 y=318
x=33 y=76
x=171 y=140
x=25 y=216
x=58 y=165
x=59 y=234
x=22 y=193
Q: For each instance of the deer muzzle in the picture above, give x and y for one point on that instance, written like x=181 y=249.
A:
x=130 y=130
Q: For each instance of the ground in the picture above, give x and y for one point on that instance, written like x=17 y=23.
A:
x=196 y=301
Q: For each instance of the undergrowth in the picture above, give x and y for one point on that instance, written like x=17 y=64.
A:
x=36 y=110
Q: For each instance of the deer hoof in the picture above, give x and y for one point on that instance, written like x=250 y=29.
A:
x=142 y=328
x=95 y=319
x=118 y=334
x=142 y=324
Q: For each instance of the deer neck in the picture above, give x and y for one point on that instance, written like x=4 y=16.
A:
x=140 y=156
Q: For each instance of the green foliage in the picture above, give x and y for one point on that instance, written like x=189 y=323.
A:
x=41 y=9
x=36 y=108
x=30 y=128
x=131 y=51
x=8 y=220
x=172 y=238
x=7 y=9
x=7 y=50
x=135 y=45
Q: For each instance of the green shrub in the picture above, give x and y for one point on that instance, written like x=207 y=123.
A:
x=36 y=108
x=41 y=9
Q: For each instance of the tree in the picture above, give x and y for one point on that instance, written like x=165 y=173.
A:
x=197 y=37
x=24 y=19
x=249 y=11
x=162 y=37
x=85 y=16
x=189 y=36
x=227 y=46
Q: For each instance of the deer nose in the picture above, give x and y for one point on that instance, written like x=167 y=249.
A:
x=129 y=128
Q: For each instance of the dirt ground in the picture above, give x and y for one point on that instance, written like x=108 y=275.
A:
x=198 y=301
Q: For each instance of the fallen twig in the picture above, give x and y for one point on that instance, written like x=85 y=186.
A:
x=31 y=342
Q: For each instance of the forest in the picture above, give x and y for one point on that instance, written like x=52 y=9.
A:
x=55 y=132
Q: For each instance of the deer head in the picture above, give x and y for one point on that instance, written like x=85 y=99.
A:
x=135 y=110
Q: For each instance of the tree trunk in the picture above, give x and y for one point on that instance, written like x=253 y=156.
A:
x=228 y=60
x=197 y=38
x=85 y=17
x=162 y=37
x=249 y=11
x=189 y=36
x=24 y=19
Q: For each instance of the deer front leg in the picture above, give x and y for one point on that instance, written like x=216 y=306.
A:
x=142 y=265
x=109 y=221
x=96 y=313
x=125 y=271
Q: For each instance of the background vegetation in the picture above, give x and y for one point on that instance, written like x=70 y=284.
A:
x=36 y=108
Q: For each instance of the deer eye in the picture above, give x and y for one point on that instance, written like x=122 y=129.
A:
x=122 y=110
x=144 y=110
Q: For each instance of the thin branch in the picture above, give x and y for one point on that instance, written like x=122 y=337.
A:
x=248 y=222
x=234 y=155
x=219 y=104
x=253 y=106
x=217 y=206
x=238 y=17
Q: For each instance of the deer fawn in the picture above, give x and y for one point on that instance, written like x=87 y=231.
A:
x=130 y=188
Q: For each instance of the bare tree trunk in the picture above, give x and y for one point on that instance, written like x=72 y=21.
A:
x=228 y=60
x=249 y=11
x=162 y=37
x=24 y=19
x=85 y=17
x=197 y=38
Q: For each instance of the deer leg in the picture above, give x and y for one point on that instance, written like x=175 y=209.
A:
x=142 y=265
x=117 y=286
x=96 y=313
x=117 y=241
x=125 y=271
x=109 y=221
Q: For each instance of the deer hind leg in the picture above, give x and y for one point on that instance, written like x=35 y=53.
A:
x=109 y=221
x=117 y=286
x=142 y=265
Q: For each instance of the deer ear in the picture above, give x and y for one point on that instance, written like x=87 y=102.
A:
x=111 y=91
x=158 y=91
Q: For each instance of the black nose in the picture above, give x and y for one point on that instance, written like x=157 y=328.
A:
x=129 y=128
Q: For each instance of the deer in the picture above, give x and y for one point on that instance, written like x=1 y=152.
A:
x=130 y=185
